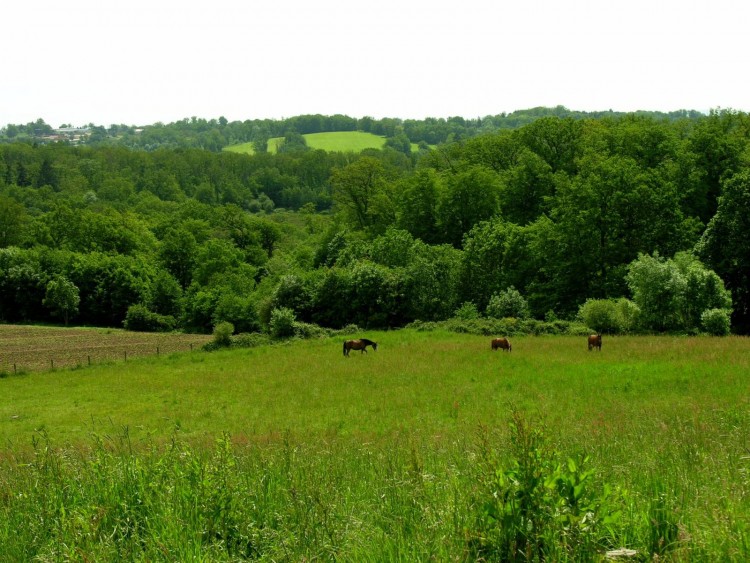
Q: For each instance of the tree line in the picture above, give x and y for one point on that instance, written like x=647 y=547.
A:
x=610 y=217
x=215 y=134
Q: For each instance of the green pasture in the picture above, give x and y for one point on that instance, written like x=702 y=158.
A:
x=291 y=451
x=337 y=141
x=432 y=383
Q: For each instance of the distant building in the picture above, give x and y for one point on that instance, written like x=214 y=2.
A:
x=74 y=135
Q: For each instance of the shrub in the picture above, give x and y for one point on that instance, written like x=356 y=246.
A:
x=250 y=340
x=672 y=294
x=716 y=321
x=611 y=316
x=467 y=311
x=282 y=323
x=538 y=506
x=308 y=330
x=239 y=310
x=629 y=313
x=507 y=327
x=223 y=334
x=509 y=303
x=348 y=329
x=140 y=318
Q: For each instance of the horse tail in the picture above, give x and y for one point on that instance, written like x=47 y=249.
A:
x=344 y=347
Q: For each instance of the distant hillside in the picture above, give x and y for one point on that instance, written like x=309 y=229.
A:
x=339 y=141
x=220 y=134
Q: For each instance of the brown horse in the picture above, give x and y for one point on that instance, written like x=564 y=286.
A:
x=595 y=341
x=360 y=344
x=502 y=343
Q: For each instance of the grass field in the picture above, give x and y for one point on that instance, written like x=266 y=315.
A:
x=340 y=141
x=292 y=451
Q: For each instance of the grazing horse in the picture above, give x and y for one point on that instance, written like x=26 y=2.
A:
x=595 y=341
x=360 y=344
x=502 y=343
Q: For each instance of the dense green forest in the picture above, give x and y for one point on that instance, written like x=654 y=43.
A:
x=553 y=216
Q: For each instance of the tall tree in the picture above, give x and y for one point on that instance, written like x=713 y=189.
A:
x=12 y=220
x=355 y=188
x=62 y=298
x=471 y=196
x=725 y=245
x=417 y=208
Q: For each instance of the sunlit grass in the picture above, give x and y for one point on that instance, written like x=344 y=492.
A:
x=376 y=455
x=336 y=141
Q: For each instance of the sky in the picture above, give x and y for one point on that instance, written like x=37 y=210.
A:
x=138 y=62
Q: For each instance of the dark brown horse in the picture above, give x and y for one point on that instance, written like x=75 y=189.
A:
x=502 y=343
x=360 y=344
x=595 y=341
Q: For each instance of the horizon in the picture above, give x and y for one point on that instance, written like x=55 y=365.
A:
x=66 y=124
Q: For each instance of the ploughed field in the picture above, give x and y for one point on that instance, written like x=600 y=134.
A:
x=33 y=348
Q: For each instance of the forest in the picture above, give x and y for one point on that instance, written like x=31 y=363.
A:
x=627 y=222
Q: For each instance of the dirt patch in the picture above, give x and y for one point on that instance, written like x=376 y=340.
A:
x=35 y=348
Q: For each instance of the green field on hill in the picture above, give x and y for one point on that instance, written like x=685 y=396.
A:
x=292 y=451
x=341 y=141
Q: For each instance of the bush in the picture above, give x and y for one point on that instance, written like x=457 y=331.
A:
x=239 y=310
x=348 y=329
x=507 y=327
x=536 y=505
x=223 y=334
x=716 y=321
x=282 y=323
x=467 y=311
x=308 y=330
x=610 y=316
x=250 y=340
x=141 y=319
x=509 y=303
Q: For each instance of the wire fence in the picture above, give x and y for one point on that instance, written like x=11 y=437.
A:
x=25 y=350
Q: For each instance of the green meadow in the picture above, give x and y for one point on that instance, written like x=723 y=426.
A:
x=339 y=141
x=431 y=447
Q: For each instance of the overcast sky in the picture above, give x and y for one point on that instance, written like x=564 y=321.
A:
x=138 y=62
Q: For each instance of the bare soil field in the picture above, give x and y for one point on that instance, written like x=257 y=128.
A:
x=36 y=348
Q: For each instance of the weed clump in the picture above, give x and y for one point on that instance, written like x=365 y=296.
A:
x=534 y=506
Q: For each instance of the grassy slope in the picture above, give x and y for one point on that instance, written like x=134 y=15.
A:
x=343 y=141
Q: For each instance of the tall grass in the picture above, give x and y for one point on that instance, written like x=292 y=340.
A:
x=431 y=447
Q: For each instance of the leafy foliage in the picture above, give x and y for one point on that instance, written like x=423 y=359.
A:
x=558 y=205
x=508 y=303
x=715 y=321
x=282 y=323
x=536 y=507
x=610 y=316
x=139 y=318
x=223 y=334
x=673 y=294
x=62 y=297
